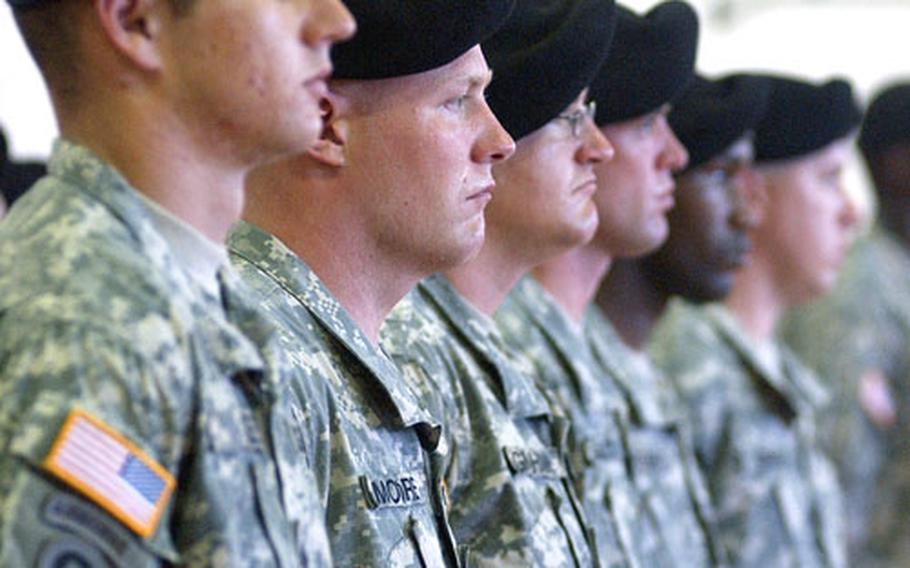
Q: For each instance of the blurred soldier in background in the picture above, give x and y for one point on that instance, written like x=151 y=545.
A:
x=858 y=339
x=752 y=405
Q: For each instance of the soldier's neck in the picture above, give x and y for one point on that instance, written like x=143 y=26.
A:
x=156 y=155
x=486 y=280
x=573 y=278
x=756 y=302
x=631 y=302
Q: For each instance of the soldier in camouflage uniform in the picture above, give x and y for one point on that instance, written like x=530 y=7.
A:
x=510 y=495
x=712 y=119
x=858 y=339
x=140 y=413
x=659 y=508
x=752 y=404
x=325 y=248
x=513 y=503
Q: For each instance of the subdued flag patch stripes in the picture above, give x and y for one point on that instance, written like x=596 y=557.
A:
x=102 y=464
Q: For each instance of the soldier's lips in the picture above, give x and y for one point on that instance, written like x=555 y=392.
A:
x=318 y=84
x=484 y=194
x=587 y=187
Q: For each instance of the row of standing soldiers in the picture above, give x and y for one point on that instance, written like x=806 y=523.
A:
x=396 y=361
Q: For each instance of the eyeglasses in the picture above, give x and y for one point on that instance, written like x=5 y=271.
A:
x=577 y=119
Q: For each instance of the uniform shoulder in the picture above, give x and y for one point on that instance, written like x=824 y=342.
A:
x=68 y=258
x=688 y=349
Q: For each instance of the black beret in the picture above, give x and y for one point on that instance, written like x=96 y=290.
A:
x=400 y=37
x=651 y=61
x=545 y=55
x=804 y=117
x=710 y=115
x=887 y=120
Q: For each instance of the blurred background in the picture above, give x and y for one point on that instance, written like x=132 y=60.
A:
x=866 y=41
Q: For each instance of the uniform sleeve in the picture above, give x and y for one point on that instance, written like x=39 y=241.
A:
x=112 y=419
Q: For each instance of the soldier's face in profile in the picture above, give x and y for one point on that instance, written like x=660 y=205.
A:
x=717 y=204
x=807 y=224
x=248 y=75
x=543 y=203
x=420 y=151
x=636 y=187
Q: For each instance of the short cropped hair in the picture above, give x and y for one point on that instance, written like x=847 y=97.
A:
x=50 y=30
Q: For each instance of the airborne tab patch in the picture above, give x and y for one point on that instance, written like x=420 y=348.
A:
x=404 y=490
x=100 y=463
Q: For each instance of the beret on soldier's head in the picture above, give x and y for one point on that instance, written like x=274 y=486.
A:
x=545 y=55
x=803 y=117
x=887 y=120
x=651 y=61
x=710 y=115
x=401 y=37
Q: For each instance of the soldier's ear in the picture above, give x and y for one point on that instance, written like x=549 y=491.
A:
x=331 y=146
x=133 y=26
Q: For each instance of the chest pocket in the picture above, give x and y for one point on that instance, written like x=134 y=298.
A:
x=765 y=450
x=231 y=431
x=405 y=495
x=426 y=544
x=665 y=491
x=240 y=468
x=654 y=458
x=550 y=471
x=605 y=451
x=764 y=492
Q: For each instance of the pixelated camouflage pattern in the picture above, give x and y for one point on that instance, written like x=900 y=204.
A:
x=664 y=465
x=362 y=430
x=96 y=314
x=512 y=503
x=864 y=325
x=776 y=496
x=534 y=325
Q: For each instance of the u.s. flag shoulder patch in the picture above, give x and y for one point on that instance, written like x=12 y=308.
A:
x=98 y=461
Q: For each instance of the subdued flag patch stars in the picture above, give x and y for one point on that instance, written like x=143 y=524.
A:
x=95 y=459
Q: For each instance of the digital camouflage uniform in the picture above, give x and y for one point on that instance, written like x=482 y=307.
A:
x=668 y=517
x=96 y=317
x=534 y=325
x=776 y=496
x=864 y=326
x=511 y=499
x=663 y=456
x=375 y=451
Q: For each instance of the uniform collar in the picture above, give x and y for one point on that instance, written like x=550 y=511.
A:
x=200 y=257
x=84 y=171
x=790 y=380
x=616 y=359
x=535 y=303
x=518 y=393
x=269 y=255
